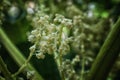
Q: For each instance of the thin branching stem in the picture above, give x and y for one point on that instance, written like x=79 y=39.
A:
x=16 y=54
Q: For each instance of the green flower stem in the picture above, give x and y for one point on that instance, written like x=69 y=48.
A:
x=83 y=68
x=26 y=62
x=83 y=58
x=107 y=55
x=58 y=61
x=16 y=54
x=58 y=56
x=60 y=53
x=5 y=71
x=24 y=65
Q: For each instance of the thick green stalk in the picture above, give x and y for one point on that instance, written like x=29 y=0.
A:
x=16 y=54
x=107 y=55
x=5 y=71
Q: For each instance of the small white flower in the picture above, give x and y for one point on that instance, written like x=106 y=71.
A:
x=32 y=48
x=40 y=55
x=31 y=38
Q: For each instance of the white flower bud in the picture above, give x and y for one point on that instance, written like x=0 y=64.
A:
x=32 y=48
x=40 y=56
x=31 y=38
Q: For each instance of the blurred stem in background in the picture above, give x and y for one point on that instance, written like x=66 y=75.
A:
x=107 y=55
